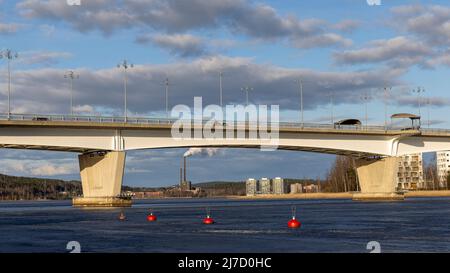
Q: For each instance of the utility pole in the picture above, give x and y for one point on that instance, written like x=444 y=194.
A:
x=125 y=65
x=71 y=76
x=246 y=89
x=9 y=55
x=300 y=83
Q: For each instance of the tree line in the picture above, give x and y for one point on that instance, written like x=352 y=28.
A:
x=27 y=188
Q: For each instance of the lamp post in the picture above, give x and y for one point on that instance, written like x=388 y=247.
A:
x=300 y=83
x=365 y=98
x=220 y=89
x=331 y=94
x=167 y=84
x=71 y=76
x=246 y=89
x=9 y=55
x=419 y=91
x=428 y=112
x=386 y=95
x=125 y=65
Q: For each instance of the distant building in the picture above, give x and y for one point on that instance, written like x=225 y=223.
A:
x=279 y=187
x=410 y=172
x=251 y=186
x=185 y=185
x=443 y=167
x=296 y=188
x=265 y=186
x=311 y=188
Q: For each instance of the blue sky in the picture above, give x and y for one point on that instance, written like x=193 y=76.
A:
x=347 y=47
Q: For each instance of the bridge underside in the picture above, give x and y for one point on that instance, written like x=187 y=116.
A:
x=286 y=148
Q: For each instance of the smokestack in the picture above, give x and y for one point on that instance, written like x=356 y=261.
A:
x=184 y=169
x=181 y=175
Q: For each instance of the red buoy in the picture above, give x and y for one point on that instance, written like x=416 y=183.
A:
x=293 y=223
x=151 y=217
x=208 y=220
x=122 y=216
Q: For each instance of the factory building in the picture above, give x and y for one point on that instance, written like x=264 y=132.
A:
x=185 y=185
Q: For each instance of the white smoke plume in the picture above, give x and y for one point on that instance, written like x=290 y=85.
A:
x=201 y=151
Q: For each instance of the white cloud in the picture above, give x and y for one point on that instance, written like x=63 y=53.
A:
x=256 y=21
x=399 y=51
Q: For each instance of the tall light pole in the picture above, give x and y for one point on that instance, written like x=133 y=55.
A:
x=331 y=107
x=167 y=84
x=221 y=88
x=246 y=89
x=125 y=65
x=419 y=91
x=365 y=97
x=71 y=76
x=386 y=96
x=428 y=111
x=9 y=55
x=300 y=83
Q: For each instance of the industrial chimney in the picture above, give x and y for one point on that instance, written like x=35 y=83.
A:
x=181 y=175
x=184 y=168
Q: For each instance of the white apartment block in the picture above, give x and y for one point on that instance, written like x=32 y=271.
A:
x=410 y=172
x=443 y=166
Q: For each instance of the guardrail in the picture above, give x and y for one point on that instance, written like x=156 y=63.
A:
x=144 y=120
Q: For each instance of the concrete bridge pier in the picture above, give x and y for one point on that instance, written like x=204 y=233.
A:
x=377 y=179
x=101 y=177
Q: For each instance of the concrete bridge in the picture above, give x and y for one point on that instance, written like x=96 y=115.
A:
x=102 y=142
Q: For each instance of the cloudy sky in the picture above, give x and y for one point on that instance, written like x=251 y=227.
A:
x=346 y=48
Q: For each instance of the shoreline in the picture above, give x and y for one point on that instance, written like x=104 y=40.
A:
x=335 y=195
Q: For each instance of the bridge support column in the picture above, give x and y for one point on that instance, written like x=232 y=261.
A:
x=101 y=177
x=377 y=179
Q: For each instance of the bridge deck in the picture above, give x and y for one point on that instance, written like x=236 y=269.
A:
x=81 y=122
x=286 y=130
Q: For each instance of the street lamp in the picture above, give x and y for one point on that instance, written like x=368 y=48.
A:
x=9 y=55
x=300 y=83
x=386 y=95
x=71 y=76
x=428 y=101
x=125 y=65
x=220 y=88
x=246 y=89
x=331 y=94
x=419 y=90
x=167 y=84
x=365 y=97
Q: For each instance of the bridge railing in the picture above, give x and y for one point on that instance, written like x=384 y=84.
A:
x=169 y=121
